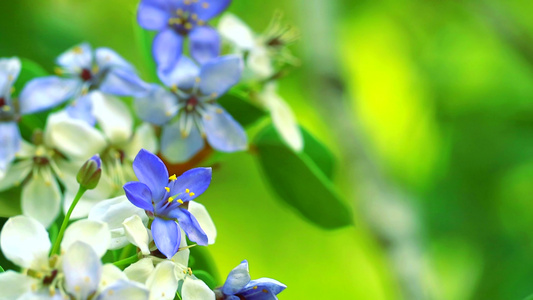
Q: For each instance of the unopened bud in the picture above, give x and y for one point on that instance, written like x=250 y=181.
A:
x=90 y=173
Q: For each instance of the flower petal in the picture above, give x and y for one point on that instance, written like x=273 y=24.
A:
x=110 y=275
x=140 y=270
x=223 y=132
x=204 y=43
x=82 y=269
x=153 y=14
x=196 y=289
x=143 y=138
x=139 y=195
x=124 y=290
x=262 y=288
x=181 y=259
x=137 y=233
x=113 y=116
x=237 y=279
x=107 y=58
x=190 y=225
x=163 y=282
x=82 y=109
x=166 y=236
x=123 y=82
x=25 y=242
x=9 y=71
x=182 y=75
x=74 y=138
x=204 y=219
x=208 y=9
x=15 y=284
x=220 y=74
x=41 y=197
x=114 y=212
x=259 y=64
x=151 y=171
x=94 y=233
x=196 y=180
x=158 y=106
x=76 y=58
x=236 y=31
x=167 y=49
x=177 y=149
x=47 y=92
x=15 y=174
x=9 y=144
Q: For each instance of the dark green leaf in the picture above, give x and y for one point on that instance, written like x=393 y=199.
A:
x=1 y=269
x=10 y=203
x=206 y=277
x=530 y=297
x=203 y=261
x=143 y=39
x=300 y=182
x=240 y=109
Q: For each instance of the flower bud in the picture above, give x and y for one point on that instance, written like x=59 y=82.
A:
x=90 y=173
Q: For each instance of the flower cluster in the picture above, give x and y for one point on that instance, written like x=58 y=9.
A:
x=103 y=162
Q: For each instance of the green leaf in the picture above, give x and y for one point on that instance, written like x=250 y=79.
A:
x=300 y=182
x=240 y=109
x=530 y=297
x=319 y=153
x=203 y=261
x=1 y=269
x=10 y=202
x=206 y=277
x=143 y=39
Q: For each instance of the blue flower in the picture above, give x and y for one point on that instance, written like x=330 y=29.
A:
x=83 y=71
x=189 y=112
x=166 y=200
x=239 y=285
x=177 y=19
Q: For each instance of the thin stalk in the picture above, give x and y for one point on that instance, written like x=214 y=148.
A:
x=55 y=249
x=126 y=261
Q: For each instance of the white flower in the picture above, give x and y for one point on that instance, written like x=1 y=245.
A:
x=25 y=242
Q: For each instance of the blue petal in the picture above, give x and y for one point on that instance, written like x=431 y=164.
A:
x=223 y=132
x=262 y=288
x=208 y=9
x=237 y=279
x=196 y=180
x=107 y=58
x=82 y=109
x=151 y=171
x=9 y=71
x=204 y=43
x=123 y=82
x=139 y=195
x=183 y=75
x=76 y=58
x=9 y=143
x=158 y=106
x=190 y=225
x=177 y=149
x=46 y=92
x=167 y=236
x=154 y=14
x=167 y=49
x=220 y=74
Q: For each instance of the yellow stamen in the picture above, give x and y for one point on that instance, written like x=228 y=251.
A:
x=197 y=79
x=191 y=194
x=10 y=77
x=96 y=69
x=167 y=189
x=174 y=88
x=188 y=26
x=180 y=201
x=214 y=95
x=179 y=12
x=187 y=191
x=207 y=117
x=219 y=111
x=205 y=5
x=77 y=50
x=255 y=287
x=186 y=2
x=173 y=177
x=6 y=108
x=194 y=16
x=190 y=271
x=200 y=23
x=58 y=71
x=170 y=199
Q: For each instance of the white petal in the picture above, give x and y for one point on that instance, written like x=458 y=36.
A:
x=114 y=212
x=15 y=174
x=143 y=138
x=114 y=117
x=137 y=233
x=259 y=64
x=25 y=242
x=94 y=233
x=13 y=285
x=236 y=31
x=110 y=275
x=283 y=117
x=41 y=197
x=74 y=138
x=140 y=271
x=194 y=288
x=26 y=150
x=163 y=283
x=181 y=258
x=9 y=71
x=82 y=269
x=125 y=290
x=204 y=219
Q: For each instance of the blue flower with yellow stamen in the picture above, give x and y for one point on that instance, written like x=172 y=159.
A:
x=165 y=199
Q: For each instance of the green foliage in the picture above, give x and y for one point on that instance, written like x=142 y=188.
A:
x=10 y=203
x=206 y=277
x=300 y=181
x=143 y=41
x=240 y=109
x=200 y=259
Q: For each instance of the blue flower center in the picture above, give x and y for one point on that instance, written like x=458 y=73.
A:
x=86 y=75
x=184 y=21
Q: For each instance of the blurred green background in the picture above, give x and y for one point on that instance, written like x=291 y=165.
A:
x=428 y=108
